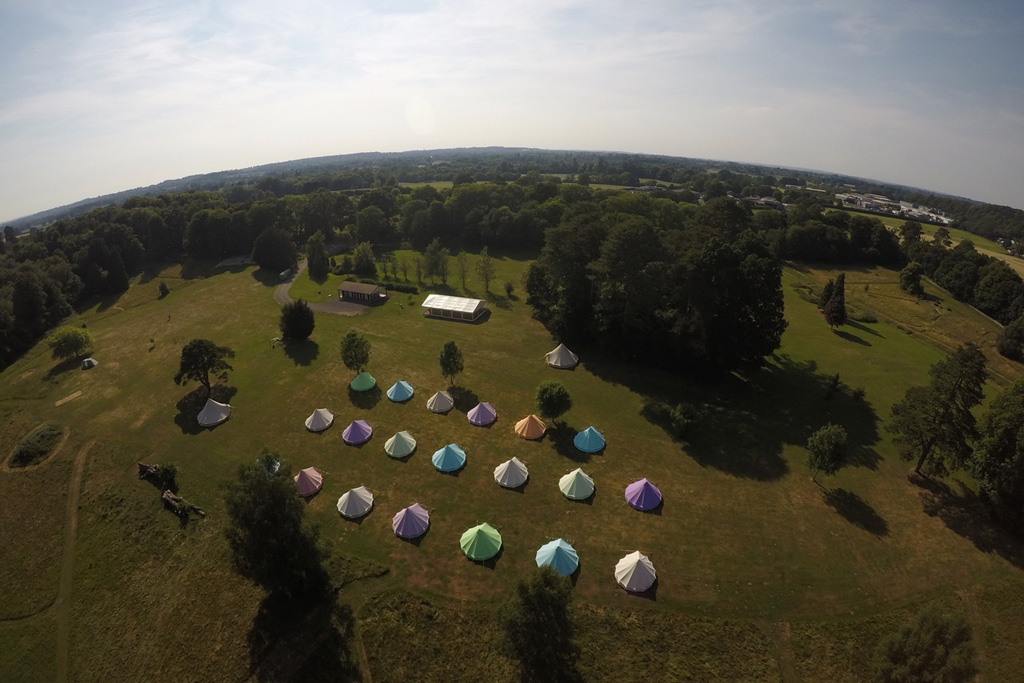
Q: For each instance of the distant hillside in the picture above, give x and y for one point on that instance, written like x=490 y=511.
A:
x=438 y=164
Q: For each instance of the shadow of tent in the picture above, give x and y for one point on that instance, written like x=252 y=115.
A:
x=365 y=399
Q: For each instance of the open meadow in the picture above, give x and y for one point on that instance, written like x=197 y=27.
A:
x=762 y=575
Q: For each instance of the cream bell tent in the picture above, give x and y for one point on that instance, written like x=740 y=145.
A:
x=355 y=503
x=441 y=402
x=400 y=445
x=511 y=473
x=309 y=481
x=320 y=420
x=89 y=363
x=635 y=572
x=213 y=413
x=531 y=427
x=577 y=485
x=561 y=357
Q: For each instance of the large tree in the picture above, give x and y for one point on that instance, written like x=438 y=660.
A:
x=553 y=399
x=934 y=424
x=69 y=341
x=297 y=320
x=450 y=361
x=355 y=351
x=999 y=459
x=910 y=279
x=827 y=450
x=201 y=358
x=269 y=543
x=274 y=250
x=933 y=648
x=462 y=263
x=318 y=262
x=537 y=628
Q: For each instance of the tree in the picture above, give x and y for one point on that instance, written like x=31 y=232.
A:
x=1010 y=342
x=373 y=226
x=442 y=265
x=163 y=289
x=274 y=250
x=910 y=279
x=934 y=647
x=297 y=320
x=942 y=237
x=934 y=423
x=485 y=268
x=319 y=263
x=553 y=399
x=10 y=235
x=536 y=628
x=509 y=288
x=462 y=263
x=355 y=351
x=432 y=260
x=199 y=359
x=269 y=543
x=827 y=450
x=403 y=266
x=362 y=260
x=911 y=231
x=451 y=361
x=69 y=341
x=998 y=463
x=835 y=309
x=826 y=294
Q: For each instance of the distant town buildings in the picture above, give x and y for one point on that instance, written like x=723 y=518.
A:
x=876 y=203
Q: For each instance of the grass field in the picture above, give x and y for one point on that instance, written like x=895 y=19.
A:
x=762 y=574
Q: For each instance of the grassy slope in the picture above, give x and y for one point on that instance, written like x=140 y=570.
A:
x=743 y=534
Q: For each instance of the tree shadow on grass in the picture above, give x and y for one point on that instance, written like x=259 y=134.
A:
x=561 y=436
x=65 y=366
x=465 y=399
x=269 y=278
x=856 y=325
x=740 y=424
x=302 y=352
x=963 y=512
x=191 y=404
x=365 y=399
x=301 y=640
x=501 y=302
x=856 y=511
x=843 y=334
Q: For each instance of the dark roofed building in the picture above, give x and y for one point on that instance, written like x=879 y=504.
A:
x=362 y=293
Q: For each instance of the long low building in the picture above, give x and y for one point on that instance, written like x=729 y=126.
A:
x=453 y=307
x=361 y=292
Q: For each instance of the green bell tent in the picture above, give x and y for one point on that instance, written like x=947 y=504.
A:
x=400 y=445
x=364 y=381
x=480 y=543
x=576 y=485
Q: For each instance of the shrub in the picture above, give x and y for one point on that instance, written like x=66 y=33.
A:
x=163 y=289
x=681 y=418
x=36 y=445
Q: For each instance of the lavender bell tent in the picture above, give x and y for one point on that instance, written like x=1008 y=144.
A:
x=643 y=495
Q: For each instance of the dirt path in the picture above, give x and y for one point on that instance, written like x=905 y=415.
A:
x=63 y=602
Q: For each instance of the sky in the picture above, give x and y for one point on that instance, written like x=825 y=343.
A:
x=107 y=95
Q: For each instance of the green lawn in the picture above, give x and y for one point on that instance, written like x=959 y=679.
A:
x=756 y=564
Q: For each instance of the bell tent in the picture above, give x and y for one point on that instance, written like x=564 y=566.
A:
x=364 y=381
x=359 y=431
x=89 y=363
x=511 y=473
x=560 y=555
x=576 y=485
x=411 y=522
x=481 y=542
x=355 y=503
x=482 y=415
x=635 y=572
x=400 y=391
x=309 y=481
x=441 y=402
x=643 y=495
x=449 y=458
x=531 y=427
x=320 y=420
x=400 y=445
x=561 y=357
x=213 y=413
x=589 y=440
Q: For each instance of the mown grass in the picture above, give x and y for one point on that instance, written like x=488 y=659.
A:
x=744 y=538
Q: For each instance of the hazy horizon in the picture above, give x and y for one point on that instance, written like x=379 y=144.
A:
x=118 y=95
